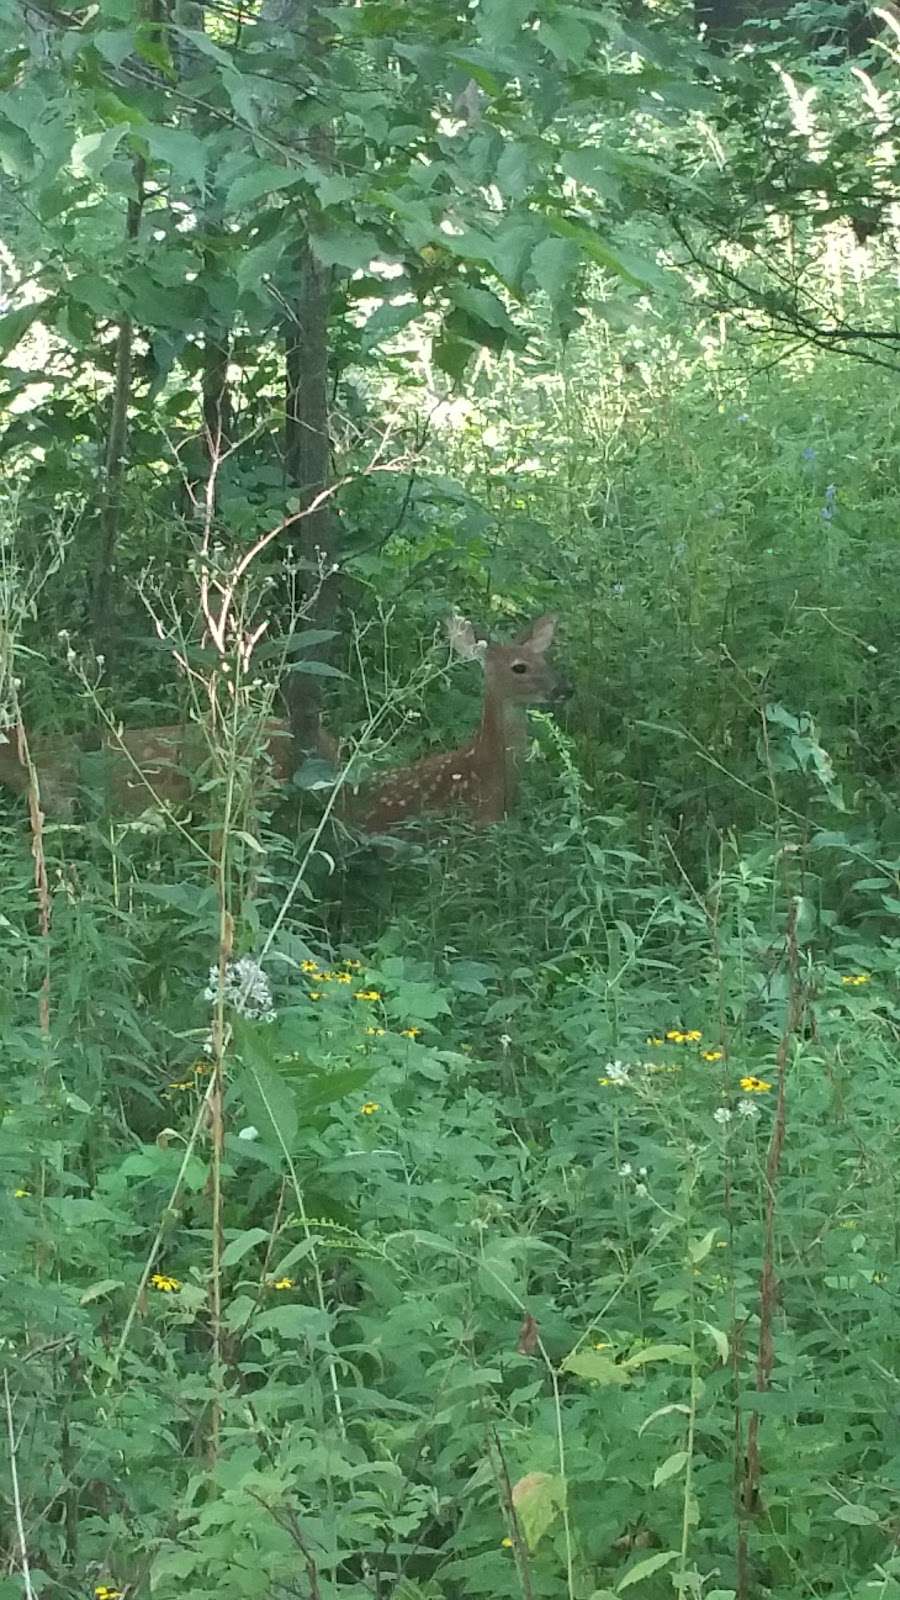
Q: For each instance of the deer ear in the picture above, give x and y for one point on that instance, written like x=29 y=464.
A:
x=463 y=638
x=539 y=633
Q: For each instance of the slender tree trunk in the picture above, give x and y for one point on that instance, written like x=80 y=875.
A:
x=307 y=437
x=116 y=462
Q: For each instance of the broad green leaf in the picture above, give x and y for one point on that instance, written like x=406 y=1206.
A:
x=566 y=38
x=97 y=1291
x=719 y=1339
x=670 y=1468
x=340 y=246
x=94 y=151
x=514 y=170
x=483 y=305
x=203 y=43
x=305 y=1323
x=858 y=1516
x=183 y=152
x=597 y=1367
x=15 y=324
x=270 y=1106
x=647 y=1567
x=698 y=1249
x=236 y=1249
x=663 y=1411
x=624 y=263
x=499 y=21
x=554 y=263
x=679 y=1353
x=537 y=1499
x=114 y=44
x=265 y=177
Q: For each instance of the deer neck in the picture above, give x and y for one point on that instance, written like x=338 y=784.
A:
x=500 y=743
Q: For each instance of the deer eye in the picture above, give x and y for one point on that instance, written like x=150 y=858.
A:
x=520 y=666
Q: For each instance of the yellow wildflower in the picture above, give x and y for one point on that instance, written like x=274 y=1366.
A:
x=693 y=1035
x=164 y=1283
x=854 y=979
x=376 y=1033
x=352 y=966
x=311 y=967
x=342 y=977
x=105 y=1591
x=314 y=994
x=410 y=1033
x=281 y=1283
x=676 y=1036
x=507 y=1544
x=655 y=1039
x=370 y=1108
x=367 y=994
x=713 y=1055
x=180 y=1085
x=751 y=1085
x=22 y=1194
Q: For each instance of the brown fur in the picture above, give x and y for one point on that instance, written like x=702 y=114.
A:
x=146 y=766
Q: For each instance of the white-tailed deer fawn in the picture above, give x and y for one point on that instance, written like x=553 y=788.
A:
x=144 y=766
x=129 y=772
x=479 y=777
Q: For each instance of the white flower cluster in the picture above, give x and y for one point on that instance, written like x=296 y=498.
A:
x=245 y=989
x=745 y=1108
x=618 y=1071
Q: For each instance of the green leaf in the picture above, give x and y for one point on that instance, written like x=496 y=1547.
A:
x=565 y=38
x=317 y=669
x=114 y=44
x=698 y=1249
x=15 y=324
x=597 y=1367
x=646 y=1568
x=858 y=1516
x=237 y=1248
x=500 y=21
x=514 y=170
x=719 y=1339
x=483 y=305
x=94 y=151
x=302 y=1323
x=203 y=43
x=183 y=152
x=97 y=1291
x=452 y=355
x=336 y=246
x=538 y=1499
x=270 y=1107
x=624 y=263
x=553 y=264
x=679 y=1353
x=264 y=177
x=671 y=1467
x=319 y=1089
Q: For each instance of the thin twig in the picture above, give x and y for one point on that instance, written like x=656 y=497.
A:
x=17 y=1499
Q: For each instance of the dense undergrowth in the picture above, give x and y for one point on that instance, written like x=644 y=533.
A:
x=521 y=1216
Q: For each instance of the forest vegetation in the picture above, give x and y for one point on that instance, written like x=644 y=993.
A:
x=504 y=1203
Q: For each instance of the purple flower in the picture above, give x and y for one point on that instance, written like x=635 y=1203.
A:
x=808 y=453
